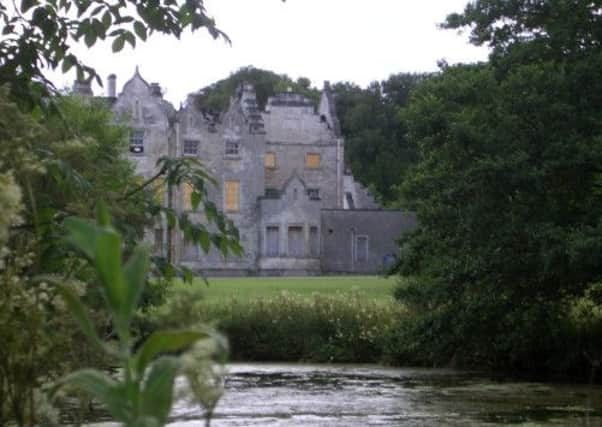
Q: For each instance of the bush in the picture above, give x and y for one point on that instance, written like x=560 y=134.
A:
x=346 y=327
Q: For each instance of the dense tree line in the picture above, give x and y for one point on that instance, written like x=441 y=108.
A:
x=507 y=191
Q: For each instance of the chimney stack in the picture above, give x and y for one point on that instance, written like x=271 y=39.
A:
x=111 y=86
x=82 y=88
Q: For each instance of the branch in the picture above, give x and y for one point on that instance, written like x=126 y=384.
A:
x=143 y=185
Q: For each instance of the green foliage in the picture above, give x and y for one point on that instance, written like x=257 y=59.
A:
x=339 y=327
x=376 y=147
x=558 y=28
x=216 y=97
x=507 y=189
x=144 y=394
x=39 y=35
x=51 y=169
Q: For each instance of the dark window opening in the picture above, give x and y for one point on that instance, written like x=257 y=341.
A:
x=137 y=142
x=191 y=147
x=350 y=202
x=232 y=148
x=296 y=242
x=272 y=240
x=361 y=248
x=313 y=193
x=314 y=242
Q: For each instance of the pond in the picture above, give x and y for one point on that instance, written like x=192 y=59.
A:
x=346 y=395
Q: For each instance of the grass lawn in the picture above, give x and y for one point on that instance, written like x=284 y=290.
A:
x=254 y=287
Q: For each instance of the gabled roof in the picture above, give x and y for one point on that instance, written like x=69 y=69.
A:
x=136 y=77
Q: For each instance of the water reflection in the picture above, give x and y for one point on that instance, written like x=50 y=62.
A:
x=308 y=395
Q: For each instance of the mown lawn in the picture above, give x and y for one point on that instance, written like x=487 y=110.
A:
x=258 y=287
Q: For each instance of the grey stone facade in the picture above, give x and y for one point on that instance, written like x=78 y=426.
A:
x=280 y=179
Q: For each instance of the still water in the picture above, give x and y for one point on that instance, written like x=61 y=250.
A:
x=340 y=395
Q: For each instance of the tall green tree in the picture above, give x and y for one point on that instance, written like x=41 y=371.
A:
x=507 y=188
x=376 y=148
x=216 y=97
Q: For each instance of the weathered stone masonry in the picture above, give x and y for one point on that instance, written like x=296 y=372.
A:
x=281 y=180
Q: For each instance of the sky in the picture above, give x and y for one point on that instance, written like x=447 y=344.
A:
x=337 y=40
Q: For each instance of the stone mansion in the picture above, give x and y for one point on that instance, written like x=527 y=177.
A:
x=281 y=179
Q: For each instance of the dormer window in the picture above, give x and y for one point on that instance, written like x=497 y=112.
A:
x=191 y=147
x=312 y=160
x=232 y=148
x=313 y=193
x=137 y=142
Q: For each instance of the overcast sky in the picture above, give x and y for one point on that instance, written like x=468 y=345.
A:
x=337 y=40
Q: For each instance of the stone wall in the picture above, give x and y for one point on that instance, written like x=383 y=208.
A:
x=289 y=215
x=345 y=232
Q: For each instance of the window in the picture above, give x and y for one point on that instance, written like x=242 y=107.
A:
x=349 y=198
x=313 y=193
x=269 y=161
x=187 y=190
x=296 y=242
x=314 y=241
x=232 y=148
x=232 y=196
x=136 y=110
x=272 y=241
x=312 y=160
x=191 y=147
x=361 y=248
x=137 y=141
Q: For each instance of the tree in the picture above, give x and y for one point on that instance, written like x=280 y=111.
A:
x=39 y=35
x=376 y=148
x=561 y=28
x=216 y=97
x=507 y=187
x=52 y=170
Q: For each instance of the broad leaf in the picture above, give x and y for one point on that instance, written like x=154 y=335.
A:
x=103 y=217
x=135 y=274
x=82 y=235
x=157 y=391
x=77 y=309
x=165 y=341
x=102 y=387
x=108 y=265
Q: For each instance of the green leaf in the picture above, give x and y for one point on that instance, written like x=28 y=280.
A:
x=140 y=30
x=165 y=341
x=118 y=43
x=130 y=38
x=108 y=265
x=106 y=20
x=103 y=218
x=157 y=391
x=102 y=387
x=188 y=275
x=135 y=273
x=195 y=199
x=90 y=37
x=82 y=235
x=204 y=240
x=27 y=4
x=77 y=309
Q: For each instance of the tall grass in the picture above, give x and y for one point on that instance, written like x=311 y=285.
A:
x=318 y=327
